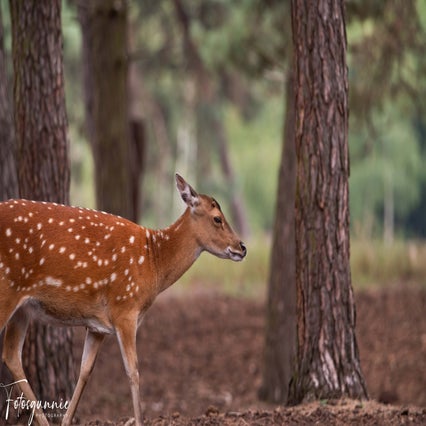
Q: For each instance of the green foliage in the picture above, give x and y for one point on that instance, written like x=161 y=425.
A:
x=394 y=159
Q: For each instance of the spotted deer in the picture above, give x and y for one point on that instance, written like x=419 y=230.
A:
x=78 y=267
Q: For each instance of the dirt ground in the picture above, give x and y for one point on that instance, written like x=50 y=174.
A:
x=200 y=357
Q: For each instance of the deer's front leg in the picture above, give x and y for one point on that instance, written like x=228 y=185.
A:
x=126 y=335
x=91 y=347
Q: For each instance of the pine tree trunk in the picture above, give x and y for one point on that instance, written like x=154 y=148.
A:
x=105 y=69
x=43 y=165
x=328 y=363
x=8 y=175
x=280 y=342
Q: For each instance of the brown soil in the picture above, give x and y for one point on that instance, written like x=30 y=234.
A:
x=200 y=365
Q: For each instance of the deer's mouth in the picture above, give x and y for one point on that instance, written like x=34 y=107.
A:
x=236 y=256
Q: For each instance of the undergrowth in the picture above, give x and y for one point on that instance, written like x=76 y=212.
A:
x=373 y=265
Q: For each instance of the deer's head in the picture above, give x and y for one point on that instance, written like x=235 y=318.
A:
x=209 y=224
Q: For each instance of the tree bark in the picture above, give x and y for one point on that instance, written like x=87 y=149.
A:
x=40 y=117
x=280 y=341
x=8 y=174
x=105 y=69
x=328 y=363
x=43 y=164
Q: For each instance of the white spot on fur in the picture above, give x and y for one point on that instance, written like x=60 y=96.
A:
x=42 y=261
x=56 y=282
x=8 y=232
x=132 y=239
x=141 y=260
x=62 y=249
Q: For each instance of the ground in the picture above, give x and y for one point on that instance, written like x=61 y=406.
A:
x=200 y=365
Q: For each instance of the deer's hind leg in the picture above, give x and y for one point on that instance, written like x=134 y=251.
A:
x=9 y=302
x=14 y=338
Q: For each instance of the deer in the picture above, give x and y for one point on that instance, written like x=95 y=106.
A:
x=72 y=266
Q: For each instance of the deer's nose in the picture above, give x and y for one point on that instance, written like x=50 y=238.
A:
x=243 y=248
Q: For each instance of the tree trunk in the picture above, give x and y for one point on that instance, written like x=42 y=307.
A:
x=8 y=174
x=105 y=69
x=280 y=342
x=43 y=165
x=328 y=363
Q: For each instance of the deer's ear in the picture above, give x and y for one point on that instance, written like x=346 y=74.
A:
x=187 y=192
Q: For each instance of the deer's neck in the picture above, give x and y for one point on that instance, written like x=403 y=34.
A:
x=174 y=250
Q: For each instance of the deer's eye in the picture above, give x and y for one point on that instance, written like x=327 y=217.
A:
x=217 y=220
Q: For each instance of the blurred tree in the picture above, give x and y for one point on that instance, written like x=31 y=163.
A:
x=8 y=174
x=205 y=93
x=280 y=337
x=327 y=361
x=42 y=163
x=138 y=134
x=105 y=70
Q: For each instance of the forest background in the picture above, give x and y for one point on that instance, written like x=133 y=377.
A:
x=229 y=144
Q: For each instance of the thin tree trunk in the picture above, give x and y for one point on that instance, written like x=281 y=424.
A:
x=328 y=363
x=186 y=153
x=280 y=342
x=43 y=165
x=105 y=69
x=239 y=218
